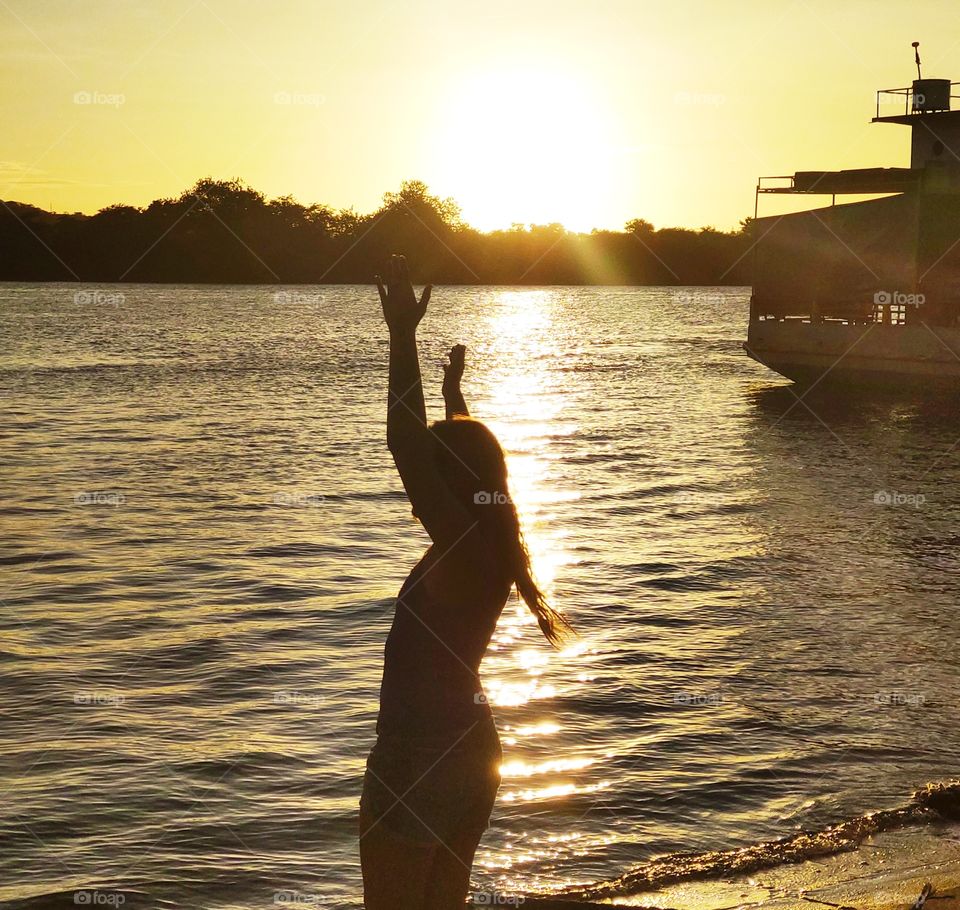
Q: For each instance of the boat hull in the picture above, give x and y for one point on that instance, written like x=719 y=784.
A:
x=918 y=356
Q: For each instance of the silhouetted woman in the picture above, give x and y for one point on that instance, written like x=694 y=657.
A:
x=433 y=775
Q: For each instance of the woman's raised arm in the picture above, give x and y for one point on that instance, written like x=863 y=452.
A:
x=452 y=374
x=406 y=413
x=410 y=441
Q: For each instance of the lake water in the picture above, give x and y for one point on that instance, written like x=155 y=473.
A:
x=204 y=533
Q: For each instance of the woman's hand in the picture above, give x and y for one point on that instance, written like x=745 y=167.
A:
x=401 y=309
x=453 y=371
x=452 y=374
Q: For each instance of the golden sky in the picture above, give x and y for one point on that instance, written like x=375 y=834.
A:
x=586 y=113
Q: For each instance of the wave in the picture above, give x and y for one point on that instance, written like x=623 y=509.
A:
x=932 y=803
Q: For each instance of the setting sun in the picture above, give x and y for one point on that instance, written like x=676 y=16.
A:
x=526 y=144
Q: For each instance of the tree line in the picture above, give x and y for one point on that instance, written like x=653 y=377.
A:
x=222 y=231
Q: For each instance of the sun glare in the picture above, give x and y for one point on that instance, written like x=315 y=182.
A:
x=526 y=145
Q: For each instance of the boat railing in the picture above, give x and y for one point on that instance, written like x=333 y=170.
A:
x=890 y=100
x=784 y=184
x=890 y=313
x=876 y=314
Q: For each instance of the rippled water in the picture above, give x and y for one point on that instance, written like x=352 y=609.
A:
x=203 y=535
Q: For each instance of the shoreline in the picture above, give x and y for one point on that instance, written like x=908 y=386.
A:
x=888 y=871
x=879 y=860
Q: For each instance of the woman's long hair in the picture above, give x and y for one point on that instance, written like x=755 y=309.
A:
x=472 y=464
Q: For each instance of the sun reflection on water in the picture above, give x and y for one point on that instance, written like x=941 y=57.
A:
x=553 y=791
x=523 y=769
x=526 y=405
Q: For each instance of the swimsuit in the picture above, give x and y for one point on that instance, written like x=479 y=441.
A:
x=434 y=771
x=433 y=788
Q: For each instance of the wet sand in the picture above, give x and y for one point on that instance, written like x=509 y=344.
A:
x=887 y=870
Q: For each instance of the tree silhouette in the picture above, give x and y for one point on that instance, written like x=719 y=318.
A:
x=225 y=231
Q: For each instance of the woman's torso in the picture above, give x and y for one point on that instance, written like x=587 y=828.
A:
x=445 y=616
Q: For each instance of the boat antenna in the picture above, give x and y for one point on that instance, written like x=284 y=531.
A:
x=916 y=54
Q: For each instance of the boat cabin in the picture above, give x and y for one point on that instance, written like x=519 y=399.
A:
x=893 y=260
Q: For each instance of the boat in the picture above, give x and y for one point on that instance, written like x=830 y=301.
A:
x=867 y=292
